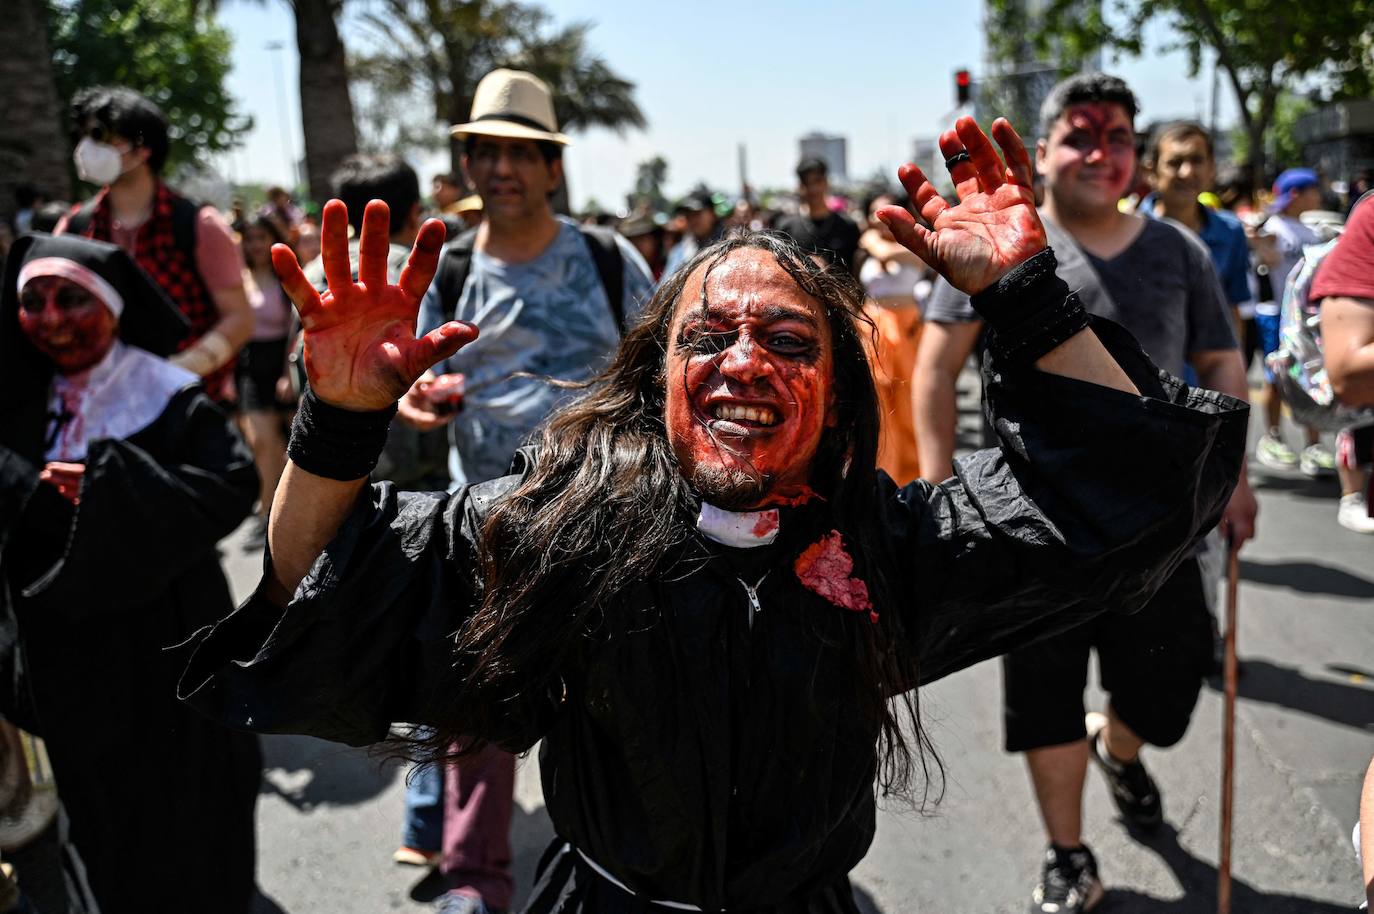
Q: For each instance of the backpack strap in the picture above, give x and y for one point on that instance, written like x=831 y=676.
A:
x=184 y=216
x=601 y=244
x=79 y=219
x=610 y=266
x=453 y=270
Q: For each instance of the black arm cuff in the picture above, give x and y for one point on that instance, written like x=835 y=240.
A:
x=337 y=443
x=1030 y=310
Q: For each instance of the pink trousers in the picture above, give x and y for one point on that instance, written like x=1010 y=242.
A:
x=478 y=803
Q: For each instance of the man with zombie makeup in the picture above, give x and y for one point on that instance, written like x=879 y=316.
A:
x=555 y=297
x=696 y=589
x=1158 y=282
x=189 y=251
x=117 y=478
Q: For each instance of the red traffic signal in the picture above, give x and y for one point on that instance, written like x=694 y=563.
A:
x=963 y=87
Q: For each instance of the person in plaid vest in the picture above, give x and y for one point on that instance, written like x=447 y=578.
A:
x=190 y=251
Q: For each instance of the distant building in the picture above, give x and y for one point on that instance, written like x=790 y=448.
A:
x=1338 y=139
x=832 y=150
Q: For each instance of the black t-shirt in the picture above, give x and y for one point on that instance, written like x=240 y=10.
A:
x=835 y=237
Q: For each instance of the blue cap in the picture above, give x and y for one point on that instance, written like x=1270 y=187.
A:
x=1289 y=184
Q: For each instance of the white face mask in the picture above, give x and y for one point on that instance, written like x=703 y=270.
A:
x=97 y=163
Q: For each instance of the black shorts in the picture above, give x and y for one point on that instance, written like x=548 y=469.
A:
x=260 y=364
x=1151 y=663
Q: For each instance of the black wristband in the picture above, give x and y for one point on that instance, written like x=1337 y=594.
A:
x=1021 y=291
x=337 y=443
x=1029 y=310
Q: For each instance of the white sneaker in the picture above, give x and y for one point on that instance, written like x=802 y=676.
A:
x=1273 y=453
x=1354 y=514
x=1317 y=460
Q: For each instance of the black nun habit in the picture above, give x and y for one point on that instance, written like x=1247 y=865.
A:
x=160 y=799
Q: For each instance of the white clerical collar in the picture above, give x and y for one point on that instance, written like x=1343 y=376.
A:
x=740 y=529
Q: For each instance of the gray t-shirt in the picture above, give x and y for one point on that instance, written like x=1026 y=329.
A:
x=549 y=317
x=1163 y=289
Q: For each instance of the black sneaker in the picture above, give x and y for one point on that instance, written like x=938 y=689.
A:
x=1133 y=790
x=1068 y=883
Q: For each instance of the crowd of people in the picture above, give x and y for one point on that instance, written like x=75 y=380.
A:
x=605 y=453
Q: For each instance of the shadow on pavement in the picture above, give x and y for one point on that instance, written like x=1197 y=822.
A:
x=1302 y=486
x=264 y=904
x=308 y=772
x=1287 y=687
x=865 y=902
x=1199 y=882
x=1307 y=577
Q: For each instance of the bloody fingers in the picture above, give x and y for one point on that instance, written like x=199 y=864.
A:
x=338 y=272
x=985 y=160
x=1018 y=159
x=374 y=245
x=923 y=194
x=424 y=260
x=963 y=172
x=293 y=282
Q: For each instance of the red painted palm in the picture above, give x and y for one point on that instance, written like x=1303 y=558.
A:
x=993 y=228
x=361 y=351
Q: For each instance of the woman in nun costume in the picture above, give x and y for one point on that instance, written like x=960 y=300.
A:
x=118 y=476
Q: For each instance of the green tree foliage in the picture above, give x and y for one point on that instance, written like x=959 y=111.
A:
x=648 y=196
x=1261 y=46
x=439 y=49
x=166 y=49
x=1282 y=149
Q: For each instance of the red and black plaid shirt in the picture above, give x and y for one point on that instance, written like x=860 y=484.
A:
x=172 y=268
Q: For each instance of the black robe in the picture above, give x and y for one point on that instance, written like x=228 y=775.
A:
x=161 y=799
x=698 y=760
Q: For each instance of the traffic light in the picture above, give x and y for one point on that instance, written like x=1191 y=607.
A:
x=963 y=87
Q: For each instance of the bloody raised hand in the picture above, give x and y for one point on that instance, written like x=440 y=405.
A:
x=360 y=347
x=992 y=229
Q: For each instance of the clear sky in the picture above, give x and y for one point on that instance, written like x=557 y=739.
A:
x=712 y=74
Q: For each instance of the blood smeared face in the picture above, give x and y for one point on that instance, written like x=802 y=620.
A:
x=750 y=382
x=66 y=323
x=1088 y=160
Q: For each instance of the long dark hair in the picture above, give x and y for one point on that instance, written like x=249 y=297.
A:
x=605 y=505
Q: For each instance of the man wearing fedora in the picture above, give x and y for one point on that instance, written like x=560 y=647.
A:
x=551 y=298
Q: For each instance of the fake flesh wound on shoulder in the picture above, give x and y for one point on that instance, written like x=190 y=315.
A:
x=826 y=568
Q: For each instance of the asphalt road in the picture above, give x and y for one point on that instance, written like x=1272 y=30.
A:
x=329 y=816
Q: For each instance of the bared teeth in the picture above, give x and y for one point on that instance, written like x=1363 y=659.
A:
x=761 y=415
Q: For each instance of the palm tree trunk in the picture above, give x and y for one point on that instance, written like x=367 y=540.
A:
x=33 y=143
x=326 y=109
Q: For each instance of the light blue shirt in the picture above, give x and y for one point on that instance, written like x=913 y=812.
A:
x=548 y=316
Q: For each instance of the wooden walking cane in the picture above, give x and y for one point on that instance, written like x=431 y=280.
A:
x=1228 y=735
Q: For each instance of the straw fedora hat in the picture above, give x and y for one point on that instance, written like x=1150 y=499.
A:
x=512 y=103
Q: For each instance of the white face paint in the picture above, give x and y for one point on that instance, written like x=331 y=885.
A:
x=97 y=163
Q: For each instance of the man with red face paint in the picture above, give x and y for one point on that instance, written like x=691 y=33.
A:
x=117 y=479
x=1159 y=283
x=697 y=590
